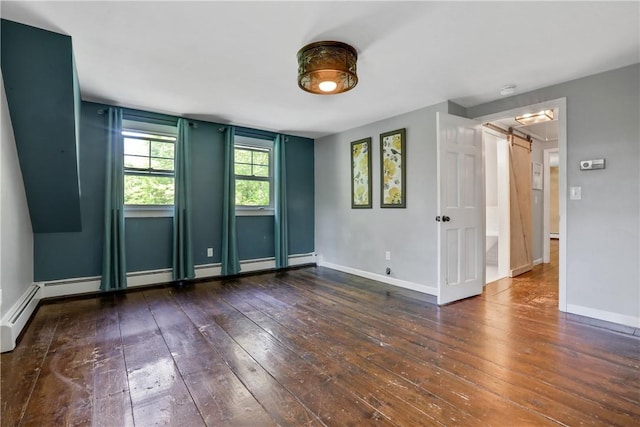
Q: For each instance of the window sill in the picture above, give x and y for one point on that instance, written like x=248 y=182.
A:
x=255 y=212
x=148 y=211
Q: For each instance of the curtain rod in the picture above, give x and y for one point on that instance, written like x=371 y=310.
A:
x=192 y=124
x=103 y=111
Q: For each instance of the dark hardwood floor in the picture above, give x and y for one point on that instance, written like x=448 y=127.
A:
x=318 y=347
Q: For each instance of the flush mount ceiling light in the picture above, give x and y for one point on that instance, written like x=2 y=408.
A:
x=531 y=118
x=327 y=67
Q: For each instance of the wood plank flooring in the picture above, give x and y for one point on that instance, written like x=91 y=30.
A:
x=313 y=347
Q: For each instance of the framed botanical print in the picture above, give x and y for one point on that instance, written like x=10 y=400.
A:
x=536 y=176
x=361 y=173
x=393 y=185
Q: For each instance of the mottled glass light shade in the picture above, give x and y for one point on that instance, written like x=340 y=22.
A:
x=327 y=68
x=533 y=118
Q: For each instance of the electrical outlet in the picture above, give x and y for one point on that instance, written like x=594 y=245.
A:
x=209 y=252
x=387 y=255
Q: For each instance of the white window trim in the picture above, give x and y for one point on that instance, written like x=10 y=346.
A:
x=146 y=127
x=258 y=211
x=252 y=142
x=149 y=211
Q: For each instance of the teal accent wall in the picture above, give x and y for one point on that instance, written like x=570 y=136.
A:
x=255 y=237
x=207 y=154
x=42 y=94
x=149 y=240
x=79 y=254
x=300 y=194
x=148 y=243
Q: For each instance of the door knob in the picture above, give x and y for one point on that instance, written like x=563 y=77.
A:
x=446 y=219
x=438 y=218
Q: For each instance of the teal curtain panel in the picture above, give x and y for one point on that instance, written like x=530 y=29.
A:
x=182 y=242
x=114 y=269
x=230 y=261
x=281 y=234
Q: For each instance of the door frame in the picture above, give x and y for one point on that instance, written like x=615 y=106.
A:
x=504 y=232
x=546 y=197
x=560 y=104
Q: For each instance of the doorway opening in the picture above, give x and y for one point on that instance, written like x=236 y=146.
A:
x=548 y=182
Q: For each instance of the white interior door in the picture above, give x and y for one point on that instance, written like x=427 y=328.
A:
x=461 y=216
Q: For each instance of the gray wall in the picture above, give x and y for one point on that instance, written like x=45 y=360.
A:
x=358 y=238
x=16 y=246
x=603 y=228
x=602 y=239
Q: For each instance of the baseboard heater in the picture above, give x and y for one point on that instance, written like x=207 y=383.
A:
x=15 y=320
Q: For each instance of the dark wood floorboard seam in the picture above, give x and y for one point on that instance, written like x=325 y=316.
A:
x=40 y=366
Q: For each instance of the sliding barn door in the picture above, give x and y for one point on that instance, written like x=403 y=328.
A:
x=521 y=259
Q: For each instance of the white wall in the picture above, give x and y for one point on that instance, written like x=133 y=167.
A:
x=16 y=237
x=358 y=238
x=603 y=229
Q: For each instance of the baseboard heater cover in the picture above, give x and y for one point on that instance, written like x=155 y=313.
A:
x=16 y=319
x=86 y=285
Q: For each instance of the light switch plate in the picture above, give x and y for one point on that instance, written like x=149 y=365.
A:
x=575 y=193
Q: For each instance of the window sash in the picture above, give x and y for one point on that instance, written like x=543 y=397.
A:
x=148 y=156
x=253 y=166
x=149 y=138
x=145 y=172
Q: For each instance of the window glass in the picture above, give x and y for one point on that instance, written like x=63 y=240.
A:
x=253 y=171
x=148 y=168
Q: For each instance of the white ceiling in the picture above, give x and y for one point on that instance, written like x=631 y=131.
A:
x=235 y=62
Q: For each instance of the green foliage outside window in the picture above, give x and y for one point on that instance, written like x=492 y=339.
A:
x=252 y=193
x=149 y=169
x=148 y=190
x=253 y=176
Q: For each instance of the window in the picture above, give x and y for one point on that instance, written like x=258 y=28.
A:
x=254 y=173
x=148 y=168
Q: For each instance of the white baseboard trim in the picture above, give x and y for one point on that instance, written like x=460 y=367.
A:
x=17 y=317
x=608 y=316
x=537 y=261
x=208 y=270
x=264 y=264
x=83 y=285
x=381 y=278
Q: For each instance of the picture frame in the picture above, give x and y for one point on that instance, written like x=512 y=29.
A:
x=393 y=177
x=361 y=189
x=536 y=176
